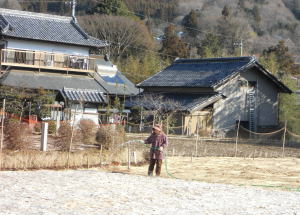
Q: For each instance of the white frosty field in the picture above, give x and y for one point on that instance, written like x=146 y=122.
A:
x=88 y=192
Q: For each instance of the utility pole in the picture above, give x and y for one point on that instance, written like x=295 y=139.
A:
x=240 y=45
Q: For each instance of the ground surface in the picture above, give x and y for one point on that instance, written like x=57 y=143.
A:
x=282 y=173
x=95 y=192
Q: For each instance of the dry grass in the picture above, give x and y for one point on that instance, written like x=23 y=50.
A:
x=63 y=140
x=26 y=160
x=17 y=136
x=87 y=130
x=110 y=137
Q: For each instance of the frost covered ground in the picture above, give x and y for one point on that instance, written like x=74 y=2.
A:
x=88 y=192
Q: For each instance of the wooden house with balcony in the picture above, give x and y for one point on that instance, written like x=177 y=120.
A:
x=55 y=53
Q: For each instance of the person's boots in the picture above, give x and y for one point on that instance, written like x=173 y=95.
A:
x=158 y=167
x=150 y=173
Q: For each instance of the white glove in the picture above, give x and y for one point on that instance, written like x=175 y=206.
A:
x=161 y=148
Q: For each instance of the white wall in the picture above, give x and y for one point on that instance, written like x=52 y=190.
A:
x=47 y=47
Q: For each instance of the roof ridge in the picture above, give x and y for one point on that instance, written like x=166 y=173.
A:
x=82 y=90
x=219 y=59
x=34 y=14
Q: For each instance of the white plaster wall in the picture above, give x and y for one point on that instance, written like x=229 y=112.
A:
x=47 y=47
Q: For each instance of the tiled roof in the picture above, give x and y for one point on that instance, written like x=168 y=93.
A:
x=92 y=96
x=197 y=72
x=34 y=80
x=206 y=73
x=44 y=27
x=178 y=101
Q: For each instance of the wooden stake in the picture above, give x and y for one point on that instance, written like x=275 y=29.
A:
x=237 y=137
x=283 y=143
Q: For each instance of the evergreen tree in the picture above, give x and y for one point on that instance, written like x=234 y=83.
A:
x=211 y=46
x=297 y=8
x=111 y=7
x=283 y=58
x=256 y=14
x=190 y=22
x=172 y=45
x=226 y=12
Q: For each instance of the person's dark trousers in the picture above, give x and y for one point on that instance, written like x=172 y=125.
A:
x=158 y=167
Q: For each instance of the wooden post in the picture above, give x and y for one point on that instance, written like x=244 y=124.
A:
x=2 y=123
x=58 y=119
x=101 y=150
x=128 y=155
x=237 y=137
x=197 y=130
x=134 y=157
x=2 y=132
x=167 y=125
x=182 y=124
x=44 y=139
x=40 y=55
x=72 y=134
x=284 y=138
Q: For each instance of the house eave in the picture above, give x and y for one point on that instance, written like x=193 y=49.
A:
x=48 y=41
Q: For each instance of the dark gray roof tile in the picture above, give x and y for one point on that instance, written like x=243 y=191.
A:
x=44 y=27
x=197 y=72
x=179 y=101
x=92 y=96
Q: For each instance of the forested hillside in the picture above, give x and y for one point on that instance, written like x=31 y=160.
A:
x=146 y=35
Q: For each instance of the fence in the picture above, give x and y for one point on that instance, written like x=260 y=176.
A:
x=242 y=143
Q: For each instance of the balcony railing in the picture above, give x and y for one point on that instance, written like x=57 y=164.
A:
x=47 y=60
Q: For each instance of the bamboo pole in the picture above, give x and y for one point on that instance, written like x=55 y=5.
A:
x=237 y=137
x=284 y=139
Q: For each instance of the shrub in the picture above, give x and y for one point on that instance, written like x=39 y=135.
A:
x=17 y=135
x=64 y=137
x=37 y=127
x=88 y=130
x=51 y=127
x=110 y=136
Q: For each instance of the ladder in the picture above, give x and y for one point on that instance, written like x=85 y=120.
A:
x=252 y=106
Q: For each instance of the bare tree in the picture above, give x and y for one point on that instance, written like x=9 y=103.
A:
x=10 y=4
x=159 y=106
x=124 y=35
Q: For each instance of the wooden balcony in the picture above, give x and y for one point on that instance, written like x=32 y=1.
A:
x=47 y=60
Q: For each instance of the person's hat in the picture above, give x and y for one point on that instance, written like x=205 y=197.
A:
x=157 y=127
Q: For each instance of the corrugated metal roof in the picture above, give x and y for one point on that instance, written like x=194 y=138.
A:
x=179 y=101
x=92 y=96
x=45 y=27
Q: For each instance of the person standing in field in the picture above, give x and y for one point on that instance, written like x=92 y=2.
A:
x=158 y=141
